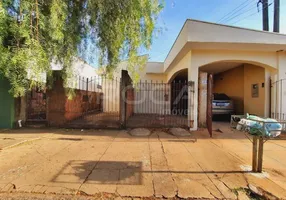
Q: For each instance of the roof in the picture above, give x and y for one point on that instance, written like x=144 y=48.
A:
x=197 y=34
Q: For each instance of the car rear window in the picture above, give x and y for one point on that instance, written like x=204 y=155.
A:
x=221 y=96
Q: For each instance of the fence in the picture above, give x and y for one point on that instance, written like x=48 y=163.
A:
x=101 y=102
x=36 y=105
x=160 y=104
x=95 y=103
x=277 y=99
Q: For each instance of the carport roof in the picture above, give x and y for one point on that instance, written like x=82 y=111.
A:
x=205 y=35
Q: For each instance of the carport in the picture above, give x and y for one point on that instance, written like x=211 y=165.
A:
x=243 y=82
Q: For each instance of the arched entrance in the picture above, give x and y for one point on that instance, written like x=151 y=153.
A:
x=179 y=93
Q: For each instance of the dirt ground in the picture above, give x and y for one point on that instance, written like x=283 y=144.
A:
x=113 y=163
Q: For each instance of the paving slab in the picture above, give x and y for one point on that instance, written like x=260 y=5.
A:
x=140 y=132
x=180 y=132
x=164 y=184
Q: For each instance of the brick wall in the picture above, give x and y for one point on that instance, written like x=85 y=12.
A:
x=60 y=109
x=129 y=102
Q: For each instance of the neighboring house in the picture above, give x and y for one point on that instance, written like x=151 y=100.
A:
x=242 y=60
x=81 y=71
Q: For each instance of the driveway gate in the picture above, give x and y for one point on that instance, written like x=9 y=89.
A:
x=160 y=104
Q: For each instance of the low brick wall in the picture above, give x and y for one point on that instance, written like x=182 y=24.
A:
x=61 y=110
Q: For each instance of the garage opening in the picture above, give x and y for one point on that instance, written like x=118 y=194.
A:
x=237 y=88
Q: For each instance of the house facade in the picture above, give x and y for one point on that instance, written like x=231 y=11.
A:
x=247 y=65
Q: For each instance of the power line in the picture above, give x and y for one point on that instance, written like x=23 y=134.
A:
x=237 y=9
x=234 y=10
x=245 y=17
x=250 y=15
x=246 y=11
x=238 y=13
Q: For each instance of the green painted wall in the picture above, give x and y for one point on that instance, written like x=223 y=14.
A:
x=6 y=105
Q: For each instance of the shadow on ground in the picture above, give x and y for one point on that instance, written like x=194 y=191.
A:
x=115 y=172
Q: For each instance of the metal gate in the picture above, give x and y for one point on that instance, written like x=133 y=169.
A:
x=277 y=101
x=102 y=102
x=99 y=105
x=95 y=103
x=36 y=105
x=160 y=105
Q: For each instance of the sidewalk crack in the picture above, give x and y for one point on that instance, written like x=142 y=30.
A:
x=164 y=153
x=204 y=171
x=150 y=157
x=86 y=178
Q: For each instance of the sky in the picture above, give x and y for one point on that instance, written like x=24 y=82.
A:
x=175 y=13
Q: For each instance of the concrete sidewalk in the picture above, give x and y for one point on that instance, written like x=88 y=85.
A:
x=161 y=165
x=9 y=139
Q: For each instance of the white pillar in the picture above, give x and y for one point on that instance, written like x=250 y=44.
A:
x=273 y=94
x=193 y=75
x=267 y=93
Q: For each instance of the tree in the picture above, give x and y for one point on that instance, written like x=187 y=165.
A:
x=33 y=33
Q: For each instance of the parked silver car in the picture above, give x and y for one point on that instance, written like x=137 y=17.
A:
x=222 y=104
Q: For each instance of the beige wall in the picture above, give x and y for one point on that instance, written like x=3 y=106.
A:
x=254 y=75
x=231 y=83
x=264 y=59
x=176 y=67
x=148 y=72
x=237 y=84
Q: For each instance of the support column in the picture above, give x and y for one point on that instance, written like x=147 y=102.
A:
x=273 y=94
x=193 y=75
x=267 y=94
x=202 y=99
x=123 y=92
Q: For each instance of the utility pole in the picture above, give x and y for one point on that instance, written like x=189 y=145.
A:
x=276 y=23
x=265 y=14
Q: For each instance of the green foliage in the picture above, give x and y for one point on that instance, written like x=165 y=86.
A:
x=33 y=33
